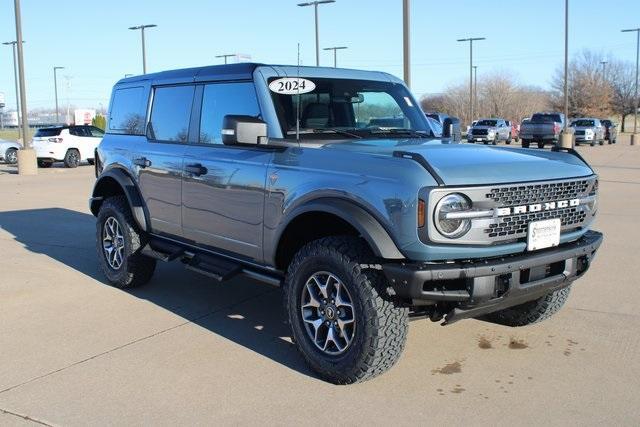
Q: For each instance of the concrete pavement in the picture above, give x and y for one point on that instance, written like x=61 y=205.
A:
x=183 y=350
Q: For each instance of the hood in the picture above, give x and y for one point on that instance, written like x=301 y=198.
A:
x=471 y=164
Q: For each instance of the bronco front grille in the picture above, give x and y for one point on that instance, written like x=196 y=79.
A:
x=515 y=226
x=538 y=193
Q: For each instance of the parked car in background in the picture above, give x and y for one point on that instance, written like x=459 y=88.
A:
x=9 y=151
x=588 y=130
x=445 y=121
x=610 y=131
x=515 y=130
x=542 y=128
x=68 y=144
x=490 y=131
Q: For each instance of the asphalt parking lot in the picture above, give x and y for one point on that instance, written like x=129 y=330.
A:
x=184 y=350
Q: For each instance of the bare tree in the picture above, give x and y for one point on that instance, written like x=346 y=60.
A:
x=589 y=93
x=499 y=95
x=621 y=78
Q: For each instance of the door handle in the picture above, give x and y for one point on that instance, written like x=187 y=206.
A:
x=196 y=169
x=143 y=162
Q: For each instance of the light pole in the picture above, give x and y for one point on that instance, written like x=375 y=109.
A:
x=335 y=55
x=471 y=40
x=315 y=7
x=27 y=156
x=228 y=55
x=635 y=109
x=475 y=87
x=144 y=55
x=55 y=88
x=15 y=78
x=406 y=42
x=604 y=68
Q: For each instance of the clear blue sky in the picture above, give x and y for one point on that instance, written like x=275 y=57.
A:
x=92 y=41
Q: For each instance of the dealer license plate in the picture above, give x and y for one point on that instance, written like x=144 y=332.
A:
x=543 y=234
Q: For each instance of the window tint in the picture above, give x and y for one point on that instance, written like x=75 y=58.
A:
x=47 y=132
x=170 y=113
x=128 y=110
x=79 y=131
x=96 y=132
x=221 y=99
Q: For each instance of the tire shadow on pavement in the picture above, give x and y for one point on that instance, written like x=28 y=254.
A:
x=241 y=310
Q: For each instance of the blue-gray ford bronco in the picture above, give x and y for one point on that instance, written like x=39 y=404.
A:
x=331 y=184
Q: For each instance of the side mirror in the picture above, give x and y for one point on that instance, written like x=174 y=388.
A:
x=243 y=130
x=451 y=128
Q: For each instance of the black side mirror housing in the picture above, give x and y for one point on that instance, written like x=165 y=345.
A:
x=237 y=129
x=451 y=128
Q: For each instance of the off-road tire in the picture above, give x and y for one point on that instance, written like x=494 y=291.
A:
x=11 y=156
x=601 y=142
x=532 y=311
x=136 y=269
x=381 y=326
x=495 y=140
x=72 y=158
x=508 y=141
x=44 y=164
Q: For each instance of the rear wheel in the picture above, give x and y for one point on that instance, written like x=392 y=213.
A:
x=72 y=158
x=532 y=311
x=508 y=141
x=11 y=156
x=525 y=144
x=495 y=140
x=342 y=320
x=118 y=243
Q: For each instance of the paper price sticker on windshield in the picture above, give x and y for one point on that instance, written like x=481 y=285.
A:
x=291 y=86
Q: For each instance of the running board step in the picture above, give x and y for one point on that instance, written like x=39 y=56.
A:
x=216 y=268
x=162 y=251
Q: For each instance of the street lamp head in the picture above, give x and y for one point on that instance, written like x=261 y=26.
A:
x=336 y=48
x=630 y=30
x=139 y=27
x=312 y=3
x=58 y=68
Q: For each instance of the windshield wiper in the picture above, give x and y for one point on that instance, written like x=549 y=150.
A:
x=394 y=131
x=337 y=131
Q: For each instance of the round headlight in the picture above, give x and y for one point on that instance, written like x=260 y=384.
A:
x=452 y=228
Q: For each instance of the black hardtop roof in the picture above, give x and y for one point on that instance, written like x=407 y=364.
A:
x=241 y=71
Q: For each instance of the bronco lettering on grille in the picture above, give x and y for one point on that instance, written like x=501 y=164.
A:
x=537 y=207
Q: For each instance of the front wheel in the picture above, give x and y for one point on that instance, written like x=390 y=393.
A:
x=11 y=156
x=118 y=243
x=525 y=144
x=533 y=311
x=508 y=141
x=343 y=322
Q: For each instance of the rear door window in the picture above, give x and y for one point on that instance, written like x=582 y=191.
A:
x=221 y=99
x=96 y=132
x=128 y=111
x=170 y=113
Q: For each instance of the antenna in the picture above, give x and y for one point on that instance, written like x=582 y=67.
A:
x=298 y=100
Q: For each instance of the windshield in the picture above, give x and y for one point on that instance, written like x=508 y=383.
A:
x=351 y=108
x=487 y=123
x=583 y=123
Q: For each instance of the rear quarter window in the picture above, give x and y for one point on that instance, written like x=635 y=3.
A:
x=128 y=111
x=47 y=132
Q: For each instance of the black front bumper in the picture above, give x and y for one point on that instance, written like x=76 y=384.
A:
x=483 y=286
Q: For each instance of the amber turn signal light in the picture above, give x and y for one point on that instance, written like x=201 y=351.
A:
x=421 y=213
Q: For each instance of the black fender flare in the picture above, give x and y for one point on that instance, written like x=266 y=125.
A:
x=130 y=190
x=365 y=223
